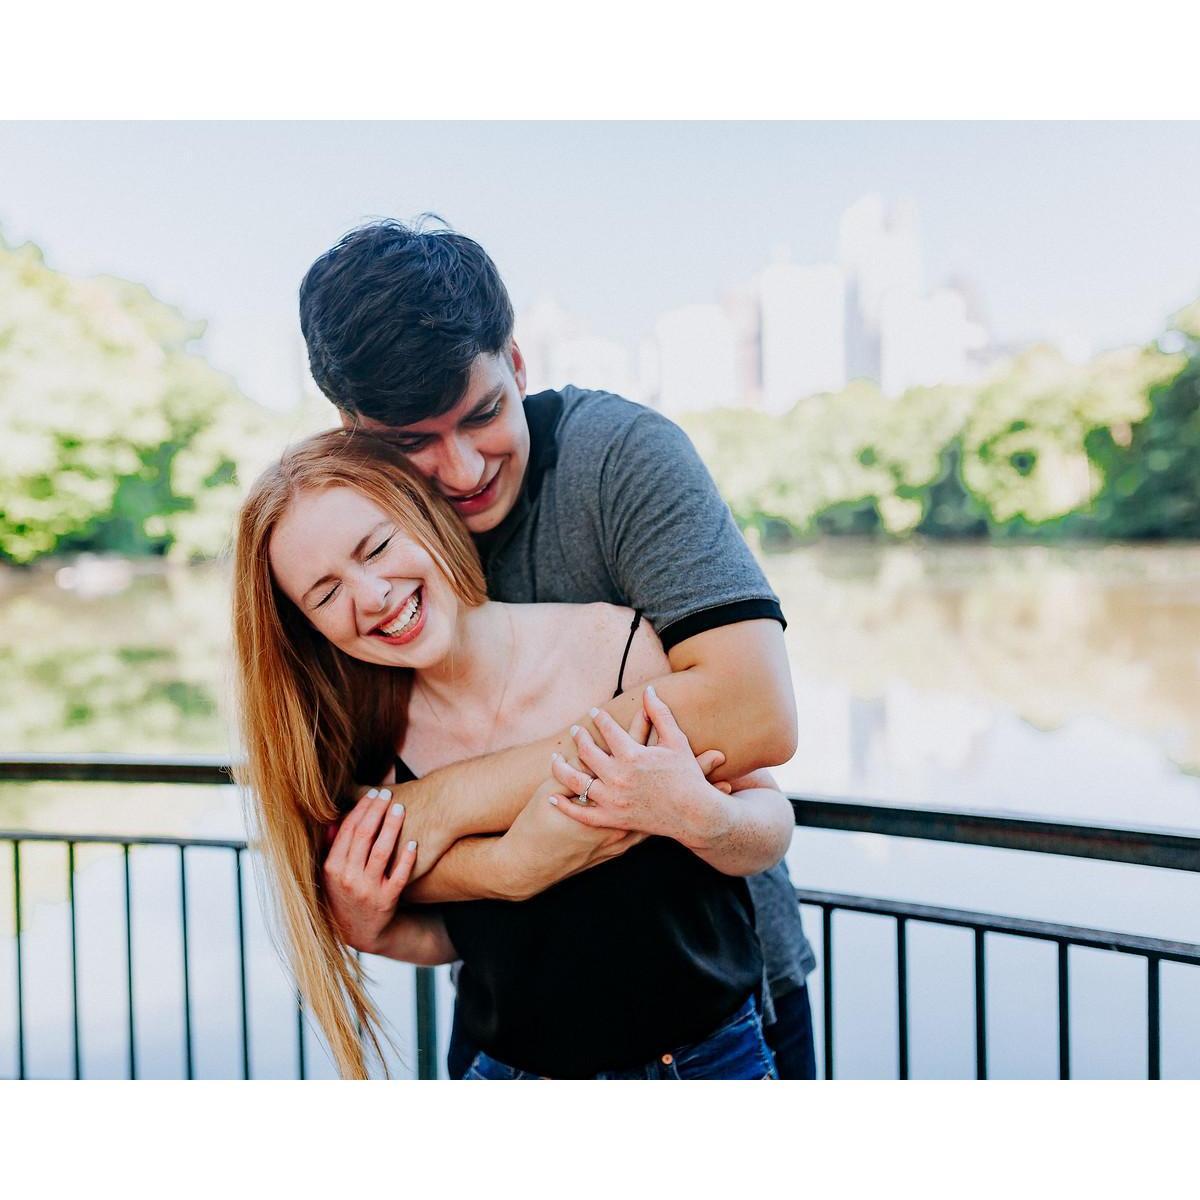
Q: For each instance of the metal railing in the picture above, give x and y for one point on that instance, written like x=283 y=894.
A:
x=1164 y=849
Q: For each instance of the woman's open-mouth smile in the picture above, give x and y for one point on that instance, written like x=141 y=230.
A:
x=404 y=622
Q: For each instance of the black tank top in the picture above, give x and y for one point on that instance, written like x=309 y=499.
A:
x=610 y=968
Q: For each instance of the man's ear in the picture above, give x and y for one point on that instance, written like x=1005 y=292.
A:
x=518 y=366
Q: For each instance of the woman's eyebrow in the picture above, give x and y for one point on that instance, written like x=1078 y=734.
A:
x=355 y=553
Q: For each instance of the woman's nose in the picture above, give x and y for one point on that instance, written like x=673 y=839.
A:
x=371 y=593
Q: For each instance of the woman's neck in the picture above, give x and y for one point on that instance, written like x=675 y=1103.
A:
x=479 y=663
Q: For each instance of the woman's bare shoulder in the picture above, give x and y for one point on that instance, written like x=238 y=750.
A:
x=592 y=637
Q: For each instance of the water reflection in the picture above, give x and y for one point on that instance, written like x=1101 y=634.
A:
x=1059 y=681
x=1055 y=681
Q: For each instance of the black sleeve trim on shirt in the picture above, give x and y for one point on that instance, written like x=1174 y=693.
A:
x=716 y=618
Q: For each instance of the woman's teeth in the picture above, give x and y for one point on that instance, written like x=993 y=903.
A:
x=407 y=617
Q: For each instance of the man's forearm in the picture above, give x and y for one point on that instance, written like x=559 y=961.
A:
x=472 y=869
x=416 y=937
x=729 y=690
x=755 y=832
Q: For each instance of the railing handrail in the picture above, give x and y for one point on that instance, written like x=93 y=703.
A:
x=1174 y=849
x=116 y=768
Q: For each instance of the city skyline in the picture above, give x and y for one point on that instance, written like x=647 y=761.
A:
x=1081 y=233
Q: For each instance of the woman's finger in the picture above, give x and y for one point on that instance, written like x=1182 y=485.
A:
x=344 y=836
x=639 y=727
x=585 y=814
x=619 y=742
x=592 y=757
x=663 y=720
x=397 y=881
x=709 y=761
x=573 y=779
x=367 y=830
x=385 y=842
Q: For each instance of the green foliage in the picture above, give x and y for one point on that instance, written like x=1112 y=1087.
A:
x=118 y=435
x=1042 y=447
x=1152 y=473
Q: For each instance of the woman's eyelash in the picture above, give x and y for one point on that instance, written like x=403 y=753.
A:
x=325 y=599
x=379 y=549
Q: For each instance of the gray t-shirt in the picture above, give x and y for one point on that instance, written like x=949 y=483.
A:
x=617 y=506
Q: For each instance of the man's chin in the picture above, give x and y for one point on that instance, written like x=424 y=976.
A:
x=486 y=521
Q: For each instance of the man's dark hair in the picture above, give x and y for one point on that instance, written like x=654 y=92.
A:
x=394 y=315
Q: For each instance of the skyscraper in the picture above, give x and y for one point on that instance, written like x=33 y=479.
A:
x=880 y=252
x=697 y=359
x=803 y=333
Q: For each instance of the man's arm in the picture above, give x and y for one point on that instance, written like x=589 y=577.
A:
x=729 y=689
x=661 y=790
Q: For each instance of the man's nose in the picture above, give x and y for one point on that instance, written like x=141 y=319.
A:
x=461 y=467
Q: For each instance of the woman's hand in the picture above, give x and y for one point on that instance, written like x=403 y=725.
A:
x=363 y=872
x=653 y=789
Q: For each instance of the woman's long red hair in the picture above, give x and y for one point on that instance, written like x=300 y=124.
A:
x=316 y=722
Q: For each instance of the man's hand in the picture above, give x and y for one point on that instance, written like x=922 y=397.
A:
x=653 y=789
x=364 y=874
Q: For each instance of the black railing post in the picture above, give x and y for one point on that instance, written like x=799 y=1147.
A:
x=16 y=857
x=902 y=997
x=242 y=989
x=301 y=1060
x=980 y=1007
x=129 y=963
x=74 y=959
x=187 y=982
x=1064 y=1013
x=827 y=984
x=427 y=1048
x=1153 y=1015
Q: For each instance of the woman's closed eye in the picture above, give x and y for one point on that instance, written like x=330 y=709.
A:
x=379 y=549
x=326 y=598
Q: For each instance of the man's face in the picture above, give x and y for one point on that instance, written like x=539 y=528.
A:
x=475 y=454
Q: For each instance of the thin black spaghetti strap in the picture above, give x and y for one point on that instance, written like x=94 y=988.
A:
x=637 y=620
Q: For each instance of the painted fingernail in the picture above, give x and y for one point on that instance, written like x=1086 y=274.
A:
x=554 y=801
x=412 y=845
x=397 y=810
x=554 y=757
x=651 y=692
x=385 y=794
x=593 y=713
x=373 y=794
x=574 y=730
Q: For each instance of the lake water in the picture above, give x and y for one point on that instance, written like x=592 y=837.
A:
x=1049 y=681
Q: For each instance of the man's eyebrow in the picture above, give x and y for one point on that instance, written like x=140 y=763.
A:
x=486 y=402
x=358 y=549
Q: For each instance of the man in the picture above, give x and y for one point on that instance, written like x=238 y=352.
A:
x=572 y=496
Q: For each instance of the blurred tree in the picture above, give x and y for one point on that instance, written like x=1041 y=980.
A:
x=118 y=435
x=1042 y=447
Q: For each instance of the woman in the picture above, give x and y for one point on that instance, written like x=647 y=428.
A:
x=362 y=630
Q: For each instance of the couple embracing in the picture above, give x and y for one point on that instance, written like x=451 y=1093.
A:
x=532 y=618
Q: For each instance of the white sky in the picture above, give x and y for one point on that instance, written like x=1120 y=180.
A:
x=1086 y=231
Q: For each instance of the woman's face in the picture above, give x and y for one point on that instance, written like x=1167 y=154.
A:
x=362 y=581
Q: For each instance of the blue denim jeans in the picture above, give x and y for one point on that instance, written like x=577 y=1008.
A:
x=736 y=1050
